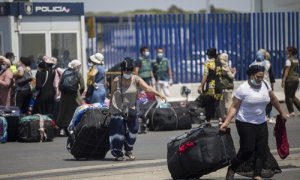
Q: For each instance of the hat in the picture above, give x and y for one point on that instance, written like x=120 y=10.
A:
x=50 y=60
x=74 y=63
x=224 y=56
x=97 y=58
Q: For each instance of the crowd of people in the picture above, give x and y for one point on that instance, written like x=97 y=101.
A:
x=58 y=92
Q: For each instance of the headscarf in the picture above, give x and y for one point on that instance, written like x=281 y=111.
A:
x=255 y=69
x=224 y=61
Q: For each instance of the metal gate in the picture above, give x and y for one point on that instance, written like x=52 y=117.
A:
x=185 y=39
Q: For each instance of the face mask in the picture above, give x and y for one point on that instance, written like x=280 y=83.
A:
x=254 y=82
x=127 y=76
x=3 y=66
x=147 y=53
x=160 y=55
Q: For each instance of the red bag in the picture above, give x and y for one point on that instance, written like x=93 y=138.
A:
x=281 y=137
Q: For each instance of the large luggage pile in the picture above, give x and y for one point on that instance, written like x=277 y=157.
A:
x=200 y=151
x=89 y=135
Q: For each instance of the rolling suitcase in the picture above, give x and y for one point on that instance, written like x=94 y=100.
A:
x=12 y=116
x=200 y=151
x=89 y=138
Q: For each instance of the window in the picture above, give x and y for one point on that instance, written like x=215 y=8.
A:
x=33 y=46
x=64 y=48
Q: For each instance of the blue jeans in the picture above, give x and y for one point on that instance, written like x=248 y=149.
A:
x=122 y=132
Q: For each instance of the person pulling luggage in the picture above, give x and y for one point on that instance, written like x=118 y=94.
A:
x=124 y=126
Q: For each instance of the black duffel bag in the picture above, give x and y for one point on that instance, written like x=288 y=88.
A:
x=89 y=139
x=36 y=128
x=200 y=151
x=164 y=118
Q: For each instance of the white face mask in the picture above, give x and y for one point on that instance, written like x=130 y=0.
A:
x=147 y=53
x=160 y=55
x=127 y=76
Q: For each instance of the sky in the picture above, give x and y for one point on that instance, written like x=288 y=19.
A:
x=117 y=6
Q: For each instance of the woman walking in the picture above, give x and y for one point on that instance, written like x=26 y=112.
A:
x=290 y=80
x=249 y=104
x=124 y=126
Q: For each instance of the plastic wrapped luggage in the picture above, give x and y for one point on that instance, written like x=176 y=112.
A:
x=36 y=128
x=89 y=137
x=12 y=116
x=3 y=130
x=200 y=151
x=164 y=118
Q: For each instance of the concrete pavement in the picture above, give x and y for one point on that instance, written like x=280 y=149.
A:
x=148 y=170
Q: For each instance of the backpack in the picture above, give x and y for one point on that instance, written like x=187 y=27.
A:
x=3 y=130
x=69 y=81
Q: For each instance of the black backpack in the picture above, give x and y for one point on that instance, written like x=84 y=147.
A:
x=69 y=81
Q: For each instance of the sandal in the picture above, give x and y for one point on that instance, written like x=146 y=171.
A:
x=129 y=155
x=119 y=158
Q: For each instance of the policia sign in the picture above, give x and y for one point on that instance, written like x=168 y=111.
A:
x=42 y=9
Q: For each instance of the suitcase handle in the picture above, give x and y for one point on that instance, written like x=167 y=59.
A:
x=205 y=124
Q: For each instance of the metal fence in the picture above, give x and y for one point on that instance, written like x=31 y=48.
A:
x=185 y=39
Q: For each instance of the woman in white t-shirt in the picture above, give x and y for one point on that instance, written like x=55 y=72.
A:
x=249 y=104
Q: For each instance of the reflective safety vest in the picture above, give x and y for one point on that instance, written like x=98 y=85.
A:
x=161 y=70
x=145 y=69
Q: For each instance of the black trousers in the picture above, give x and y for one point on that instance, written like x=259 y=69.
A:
x=290 y=89
x=253 y=139
x=212 y=108
x=22 y=100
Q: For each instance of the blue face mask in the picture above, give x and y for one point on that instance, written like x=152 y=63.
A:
x=254 y=82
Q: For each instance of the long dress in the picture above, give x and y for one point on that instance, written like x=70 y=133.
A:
x=68 y=104
x=45 y=99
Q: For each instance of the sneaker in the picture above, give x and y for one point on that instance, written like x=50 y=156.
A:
x=257 y=178
x=292 y=114
x=298 y=113
x=129 y=155
x=119 y=158
x=62 y=132
x=272 y=120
